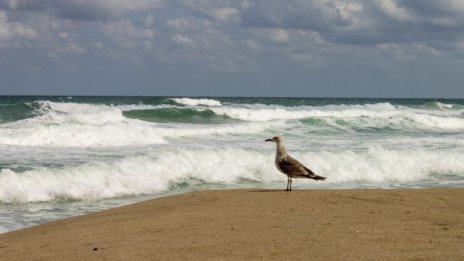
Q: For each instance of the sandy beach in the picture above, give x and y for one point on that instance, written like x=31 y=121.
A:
x=423 y=224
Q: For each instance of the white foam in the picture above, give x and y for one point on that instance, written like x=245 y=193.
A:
x=164 y=170
x=369 y=114
x=86 y=125
x=38 y=133
x=83 y=125
x=448 y=106
x=273 y=112
x=189 y=130
x=132 y=107
x=197 y=102
x=147 y=174
x=444 y=106
x=383 y=165
x=452 y=123
x=66 y=112
x=128 y=132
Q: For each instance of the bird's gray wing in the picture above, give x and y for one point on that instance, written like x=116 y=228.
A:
x=295 y=169
x=292 y=167
x=310 y=172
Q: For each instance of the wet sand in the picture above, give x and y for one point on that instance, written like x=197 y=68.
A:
x=425 y=224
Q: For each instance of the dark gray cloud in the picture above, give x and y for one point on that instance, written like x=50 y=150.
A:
x=362 y=21
x=453 y=8
x=258 y=41
x=83 y=10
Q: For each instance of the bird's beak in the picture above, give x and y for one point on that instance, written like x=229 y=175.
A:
x=268 y=140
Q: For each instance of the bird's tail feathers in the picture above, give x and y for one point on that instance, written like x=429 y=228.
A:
x=313 y=175
x=317 y=177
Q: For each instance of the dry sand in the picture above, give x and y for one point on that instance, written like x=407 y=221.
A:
x=426 y=224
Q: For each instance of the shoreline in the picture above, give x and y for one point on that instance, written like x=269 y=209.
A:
x=354 y=224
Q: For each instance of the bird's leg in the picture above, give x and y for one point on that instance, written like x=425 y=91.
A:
x=291 y=181
x=288 y=183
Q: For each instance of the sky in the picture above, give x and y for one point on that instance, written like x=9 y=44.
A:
x=297 y=48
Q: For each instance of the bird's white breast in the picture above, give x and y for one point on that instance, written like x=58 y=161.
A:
x=281 y=152
x=276 y=162
x=278 y=158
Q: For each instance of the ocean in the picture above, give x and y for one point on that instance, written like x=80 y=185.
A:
x=67 y=156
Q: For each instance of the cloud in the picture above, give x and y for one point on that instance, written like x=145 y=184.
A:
x=393 y=10
x=126 y=34
x=72 y=48
x=445 y=7
x=83 y=10
x=14 y=31
x=183 y=40
x=202 y=43
x=280 y=36
x=260 y=37
x=225 y=14
x=437 y=15
x=361 y=22
x=299 y=14
x=188 y=24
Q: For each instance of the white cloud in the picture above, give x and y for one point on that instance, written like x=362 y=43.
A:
x=231 y=35
x=456 y=5
x=183 y=40
x=252 y=44
x=72 y=48
x=445 y=22
x=12 y=31
x=226 y=14
x=178 y=23
x=131 y=5
x=340 y=13
x=426 y=49
x=393 y=10
x=188 y=24
x=279 y=36
x=127 y=35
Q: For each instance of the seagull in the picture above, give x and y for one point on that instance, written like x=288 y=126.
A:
x=290 y=166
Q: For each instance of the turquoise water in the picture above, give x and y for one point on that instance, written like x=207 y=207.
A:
x=64 y=156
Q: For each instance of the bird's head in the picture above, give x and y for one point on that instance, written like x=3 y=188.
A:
x=275 y=139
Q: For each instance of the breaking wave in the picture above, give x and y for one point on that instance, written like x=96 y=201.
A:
x=197 y=102
x=119 y=150
x=182 y=115
x=87 y=125
x=159 y=172
x=147 y=174
x=358 y=115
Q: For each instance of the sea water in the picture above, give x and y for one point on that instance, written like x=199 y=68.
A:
x=66 y=156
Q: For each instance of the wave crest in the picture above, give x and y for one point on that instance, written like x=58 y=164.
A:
x=86 y=125
x=370 y=115
x=197 y=102
x=147 y=174
x=159 y=172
